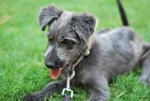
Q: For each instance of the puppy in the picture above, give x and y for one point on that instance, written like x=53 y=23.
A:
x=106 y=54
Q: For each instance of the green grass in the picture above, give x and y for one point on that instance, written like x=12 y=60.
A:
x=22 y=46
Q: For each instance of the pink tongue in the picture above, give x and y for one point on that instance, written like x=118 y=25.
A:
x=55 y=73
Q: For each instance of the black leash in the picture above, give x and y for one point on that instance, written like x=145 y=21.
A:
x=122 y=13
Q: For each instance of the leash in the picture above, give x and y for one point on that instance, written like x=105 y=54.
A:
x=67 y=92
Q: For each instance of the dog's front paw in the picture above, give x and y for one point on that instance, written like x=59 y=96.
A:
x=30 y=97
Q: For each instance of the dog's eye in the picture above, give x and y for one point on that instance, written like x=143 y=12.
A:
x=68 y=43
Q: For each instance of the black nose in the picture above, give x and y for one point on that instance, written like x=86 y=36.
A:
x=50 y=65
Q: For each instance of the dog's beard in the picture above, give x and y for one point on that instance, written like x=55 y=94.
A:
x=66 y=69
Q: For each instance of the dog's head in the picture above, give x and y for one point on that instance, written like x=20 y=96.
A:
x=68 y=35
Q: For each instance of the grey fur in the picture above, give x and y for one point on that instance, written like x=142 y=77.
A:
x=108 y=53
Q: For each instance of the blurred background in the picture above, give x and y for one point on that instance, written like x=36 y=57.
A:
x=22 y=46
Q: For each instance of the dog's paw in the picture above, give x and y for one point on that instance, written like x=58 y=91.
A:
x=30 y=97
x=145 y=79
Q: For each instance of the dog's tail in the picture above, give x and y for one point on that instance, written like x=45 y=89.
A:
x=122 y=13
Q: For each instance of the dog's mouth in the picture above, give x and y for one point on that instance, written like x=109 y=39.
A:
x=55 y=73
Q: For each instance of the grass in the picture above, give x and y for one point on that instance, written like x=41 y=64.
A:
x=22 y=46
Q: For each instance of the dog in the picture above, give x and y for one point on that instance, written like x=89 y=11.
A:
x=106 y=54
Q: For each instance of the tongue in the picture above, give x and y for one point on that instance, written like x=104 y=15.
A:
x=55 y=73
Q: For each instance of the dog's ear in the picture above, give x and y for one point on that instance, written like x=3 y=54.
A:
x=48 y=15
x=84 y=25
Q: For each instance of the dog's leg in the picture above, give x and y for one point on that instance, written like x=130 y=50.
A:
x=100 y=90
x=50 y=89
x=145 y=78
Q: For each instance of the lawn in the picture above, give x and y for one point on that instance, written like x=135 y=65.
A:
x=22 y=46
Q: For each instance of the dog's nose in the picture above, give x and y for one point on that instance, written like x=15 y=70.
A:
x=50 y=65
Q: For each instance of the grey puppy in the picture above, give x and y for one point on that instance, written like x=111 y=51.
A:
x=107 y=53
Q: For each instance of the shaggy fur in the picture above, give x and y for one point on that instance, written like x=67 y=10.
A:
x=107 y=53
